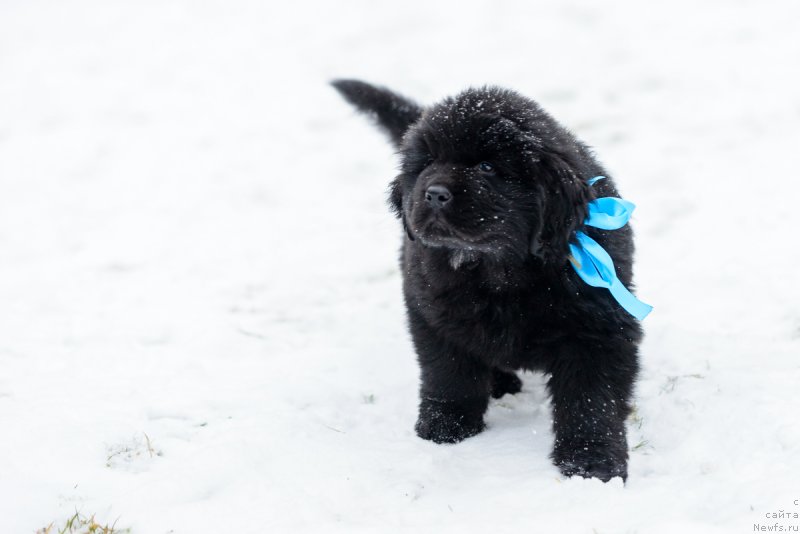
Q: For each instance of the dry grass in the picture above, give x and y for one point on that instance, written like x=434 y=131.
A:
x=81 y=524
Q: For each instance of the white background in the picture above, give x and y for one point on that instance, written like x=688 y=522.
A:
x=195 y=250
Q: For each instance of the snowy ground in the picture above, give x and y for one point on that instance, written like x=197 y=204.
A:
x=201 y=326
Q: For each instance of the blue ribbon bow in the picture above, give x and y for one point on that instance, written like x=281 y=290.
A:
x=592 y=262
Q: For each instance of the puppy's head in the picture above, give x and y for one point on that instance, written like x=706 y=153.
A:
x=487 y=172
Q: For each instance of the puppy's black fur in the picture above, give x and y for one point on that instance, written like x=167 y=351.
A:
x=491 y=191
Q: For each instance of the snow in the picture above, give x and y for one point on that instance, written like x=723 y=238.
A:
x=201 y=326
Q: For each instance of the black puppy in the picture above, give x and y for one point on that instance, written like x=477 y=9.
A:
x=490 y=194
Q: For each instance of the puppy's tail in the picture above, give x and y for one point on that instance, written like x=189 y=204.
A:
x=391 y=112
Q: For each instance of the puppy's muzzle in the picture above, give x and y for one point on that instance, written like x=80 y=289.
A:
x=437 y=196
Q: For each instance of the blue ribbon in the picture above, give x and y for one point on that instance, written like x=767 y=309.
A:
x=592 y=262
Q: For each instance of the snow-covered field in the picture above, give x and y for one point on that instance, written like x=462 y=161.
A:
x=201 y=327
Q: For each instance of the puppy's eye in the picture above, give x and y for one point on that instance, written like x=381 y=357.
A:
x=485 y=166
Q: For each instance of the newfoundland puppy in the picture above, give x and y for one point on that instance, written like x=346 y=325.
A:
x=491 y=193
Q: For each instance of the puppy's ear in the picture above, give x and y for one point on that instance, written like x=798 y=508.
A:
x=564 y=209
x=391 y=112
x=537 y=247
x=396 y=203
x=396 y=196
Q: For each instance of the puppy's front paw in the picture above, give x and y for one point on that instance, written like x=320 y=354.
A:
x=447 y=422
x=592 y=460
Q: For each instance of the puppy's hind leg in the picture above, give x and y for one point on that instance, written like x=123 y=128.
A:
x=505 y=382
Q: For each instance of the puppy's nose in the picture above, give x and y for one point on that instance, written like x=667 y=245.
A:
x=437 y=196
